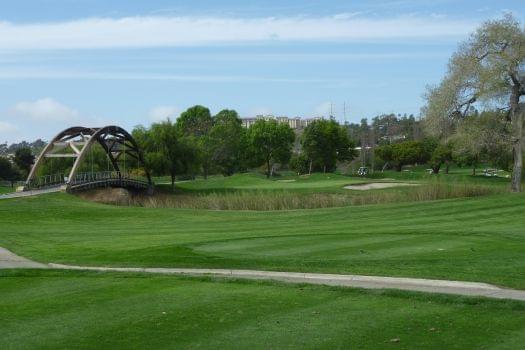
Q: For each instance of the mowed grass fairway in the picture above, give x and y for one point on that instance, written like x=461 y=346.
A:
x=473 y=239
x=476 y=239
x=250 y=181
x=58 y=309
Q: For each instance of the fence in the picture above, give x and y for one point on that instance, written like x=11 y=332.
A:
x=89 y=180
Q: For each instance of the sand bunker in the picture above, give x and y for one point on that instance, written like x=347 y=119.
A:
x=377 y=185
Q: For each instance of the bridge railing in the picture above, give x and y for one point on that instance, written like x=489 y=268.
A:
x=46 y=181
x=107 y=177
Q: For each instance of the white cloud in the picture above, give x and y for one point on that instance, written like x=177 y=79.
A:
x=44 y=109
x=155 y=31
x=160 y=113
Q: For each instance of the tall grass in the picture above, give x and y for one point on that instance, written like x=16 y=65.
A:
x=286 y=200
x=426 y=192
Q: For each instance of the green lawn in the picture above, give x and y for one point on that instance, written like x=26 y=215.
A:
x=6 y=189
x=455 y=175
x=251 y=181
x=477 y=239
x=58 y=310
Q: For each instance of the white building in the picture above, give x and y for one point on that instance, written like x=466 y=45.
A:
x=294 y=123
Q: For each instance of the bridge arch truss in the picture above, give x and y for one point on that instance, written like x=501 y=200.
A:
x=76 y=142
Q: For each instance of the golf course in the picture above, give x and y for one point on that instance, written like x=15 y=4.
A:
x=478 y=239
x=270 y=175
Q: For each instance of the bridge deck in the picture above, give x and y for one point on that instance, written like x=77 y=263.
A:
x=86 y=181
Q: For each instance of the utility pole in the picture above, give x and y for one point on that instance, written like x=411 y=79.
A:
x=344 y=112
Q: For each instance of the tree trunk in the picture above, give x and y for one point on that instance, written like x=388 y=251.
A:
x=435 y=169
x=474 y=171
x=517 y=141
x=324 y=169
x=268 y=168
x=310 y=169
x=517 y=152
x=172 y=181
x=447 y=165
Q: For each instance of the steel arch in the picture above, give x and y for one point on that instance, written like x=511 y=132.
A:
x=114 y=140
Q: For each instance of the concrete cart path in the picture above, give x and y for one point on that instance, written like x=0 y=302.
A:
x=33 y=192
x=11 y=260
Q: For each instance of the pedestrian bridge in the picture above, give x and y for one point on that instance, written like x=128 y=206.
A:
x=76 y=143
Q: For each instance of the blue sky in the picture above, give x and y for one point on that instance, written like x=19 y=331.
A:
x=94 y=62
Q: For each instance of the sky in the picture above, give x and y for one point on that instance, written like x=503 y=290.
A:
x=99 y=62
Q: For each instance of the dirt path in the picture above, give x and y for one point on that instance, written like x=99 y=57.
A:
x=11 y=260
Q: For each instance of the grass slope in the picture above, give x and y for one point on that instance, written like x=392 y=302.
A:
x=54 y=310
x=252 y=181
x=478 y=239
x=6 y=189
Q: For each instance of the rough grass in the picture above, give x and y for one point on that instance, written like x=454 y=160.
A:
x=289 y=200
x=84 y=310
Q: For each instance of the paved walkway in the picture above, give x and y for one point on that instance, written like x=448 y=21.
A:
x=10 y=260
x=32 y=193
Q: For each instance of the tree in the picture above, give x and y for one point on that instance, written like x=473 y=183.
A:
x=8 y=171
x=441 y=154
x=196 y=121
x=228 y=142
x=24 y=159
x=162 y=148
x=404 y=153
x=487 y=69
x=195 y=124
x=325 y=142
x=270 y=142
x=483 y=138
x=299 y=163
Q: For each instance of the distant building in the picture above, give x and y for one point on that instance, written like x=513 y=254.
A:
x=294 y=123
x=247 y=122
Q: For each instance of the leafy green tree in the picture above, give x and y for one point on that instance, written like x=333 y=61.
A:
x=442 y=155
x=228 y=142
x=195 y=125
x=325 y=142
x=8 y=171
x=404 y=153
x=299 y=163
x=196 y=121
x=482 y=138
x=270 y=142
x=162 y=148
x=24 y=159
x=487 y=69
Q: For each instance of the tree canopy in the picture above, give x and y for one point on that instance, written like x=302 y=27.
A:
x=404 y=153
x=24 y=159
x=324 y=142
x=270 y=142
x=229 y=142
x=488 y=69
